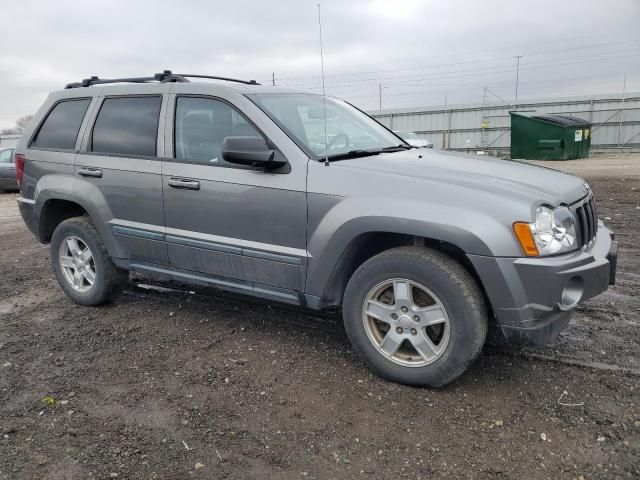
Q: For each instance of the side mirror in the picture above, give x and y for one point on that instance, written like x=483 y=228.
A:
x=252 y=151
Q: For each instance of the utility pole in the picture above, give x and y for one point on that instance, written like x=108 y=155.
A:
x=517 y=77
x=273 y=79
x=485 y=120
x=445 y=133
x=624 y=88
x=380 y=95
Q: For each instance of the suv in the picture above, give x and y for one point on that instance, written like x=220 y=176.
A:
x=302 y=199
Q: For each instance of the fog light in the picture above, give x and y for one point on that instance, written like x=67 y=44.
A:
x=572 y=293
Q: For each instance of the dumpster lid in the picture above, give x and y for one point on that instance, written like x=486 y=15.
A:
x=563 y=120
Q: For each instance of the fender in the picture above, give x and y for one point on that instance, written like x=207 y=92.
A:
x=89 y=196
x=335 y=222
x=51 y=187
x=63 y=187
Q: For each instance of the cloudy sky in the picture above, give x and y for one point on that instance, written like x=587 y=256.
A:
x=414 y=52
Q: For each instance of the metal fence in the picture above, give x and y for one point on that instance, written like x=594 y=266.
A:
x=487 y=126
x=8 y=141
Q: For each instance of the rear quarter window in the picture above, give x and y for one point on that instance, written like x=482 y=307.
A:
x=127 y=126
x=60 y=128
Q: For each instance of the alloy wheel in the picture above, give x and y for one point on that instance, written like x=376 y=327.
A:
x=406 y=322
x=77 y=264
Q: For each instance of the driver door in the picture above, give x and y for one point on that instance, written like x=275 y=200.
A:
x=224 y=220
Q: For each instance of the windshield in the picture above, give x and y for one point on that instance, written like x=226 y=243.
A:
x=349 y=131
x=407 y=135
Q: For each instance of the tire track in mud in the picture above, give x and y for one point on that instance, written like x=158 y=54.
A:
x=331 y=323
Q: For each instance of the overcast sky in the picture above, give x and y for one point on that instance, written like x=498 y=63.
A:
x=419 y=51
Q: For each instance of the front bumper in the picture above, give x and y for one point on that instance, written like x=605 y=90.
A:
x=533 y=298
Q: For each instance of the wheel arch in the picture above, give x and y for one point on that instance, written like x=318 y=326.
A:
x=55 y=211
x=57 y=201
x=366 y=245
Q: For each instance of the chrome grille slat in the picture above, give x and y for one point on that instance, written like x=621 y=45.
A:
x=583 y=226
x=592 y=205
x=586 y=221
x=587 y=211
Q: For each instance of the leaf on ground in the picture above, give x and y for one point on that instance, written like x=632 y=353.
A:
x=48 y=401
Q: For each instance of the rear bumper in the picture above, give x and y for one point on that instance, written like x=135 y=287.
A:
x=8 y=183
x=533 y=298
x=27 y=207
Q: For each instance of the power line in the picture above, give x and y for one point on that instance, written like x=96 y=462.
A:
x=398 y=79
x=409 y=80
x=430 y=66
x=469 y=87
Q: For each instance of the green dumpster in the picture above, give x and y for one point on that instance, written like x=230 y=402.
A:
x=549 y=137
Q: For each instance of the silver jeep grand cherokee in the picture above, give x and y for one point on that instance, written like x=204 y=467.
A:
x=295 y=198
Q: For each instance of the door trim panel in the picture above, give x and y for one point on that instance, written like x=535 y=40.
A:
x=137 y=232
x=247 y=247
x=289 y=258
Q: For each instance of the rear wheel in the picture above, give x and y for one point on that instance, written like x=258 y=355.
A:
x=82 y=265
x=415 y=316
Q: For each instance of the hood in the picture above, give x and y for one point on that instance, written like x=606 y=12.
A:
x=510 y=177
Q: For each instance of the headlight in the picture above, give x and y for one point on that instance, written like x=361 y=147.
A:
x=553 y=231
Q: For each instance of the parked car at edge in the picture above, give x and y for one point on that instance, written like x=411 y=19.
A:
x=218 y=184
x=7 y=170
x=413 y=139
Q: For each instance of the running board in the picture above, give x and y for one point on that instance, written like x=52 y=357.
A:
x=231 y=285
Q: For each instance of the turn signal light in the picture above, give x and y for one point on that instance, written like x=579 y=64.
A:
x=525 y=238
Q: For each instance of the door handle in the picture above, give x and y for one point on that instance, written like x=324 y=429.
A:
x=90 y=172
x=184 y=183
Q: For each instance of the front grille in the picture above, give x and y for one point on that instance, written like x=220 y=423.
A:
x=586 y=221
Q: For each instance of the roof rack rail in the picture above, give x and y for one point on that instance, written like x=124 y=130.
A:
x=165 y=76
x=212 y=77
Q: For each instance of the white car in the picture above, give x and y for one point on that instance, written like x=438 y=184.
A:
x=413 y=139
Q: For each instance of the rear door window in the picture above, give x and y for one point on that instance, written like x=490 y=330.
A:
x=127 y=126
x=60 y=129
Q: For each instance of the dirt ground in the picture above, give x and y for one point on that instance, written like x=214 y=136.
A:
x=184 y=383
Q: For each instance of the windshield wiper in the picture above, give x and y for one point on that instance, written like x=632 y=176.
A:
x=368 y=153
x=353 y=154
x=397 y=148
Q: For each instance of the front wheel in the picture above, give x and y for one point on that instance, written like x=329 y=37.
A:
x=415 y=316
x=82 y=265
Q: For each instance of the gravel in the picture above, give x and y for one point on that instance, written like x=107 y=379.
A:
x=191 y=383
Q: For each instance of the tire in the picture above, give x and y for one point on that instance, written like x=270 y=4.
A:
x=108 y=280
x=430 y=276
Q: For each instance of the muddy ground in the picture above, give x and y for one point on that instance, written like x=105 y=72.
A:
x=178 y=385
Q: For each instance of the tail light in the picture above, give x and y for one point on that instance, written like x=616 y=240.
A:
x=19 y=168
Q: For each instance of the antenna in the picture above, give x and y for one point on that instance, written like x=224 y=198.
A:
x=324 y=96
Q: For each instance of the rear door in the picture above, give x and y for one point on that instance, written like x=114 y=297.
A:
x=7 y=169
x=227 y=220
x=118 y=170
